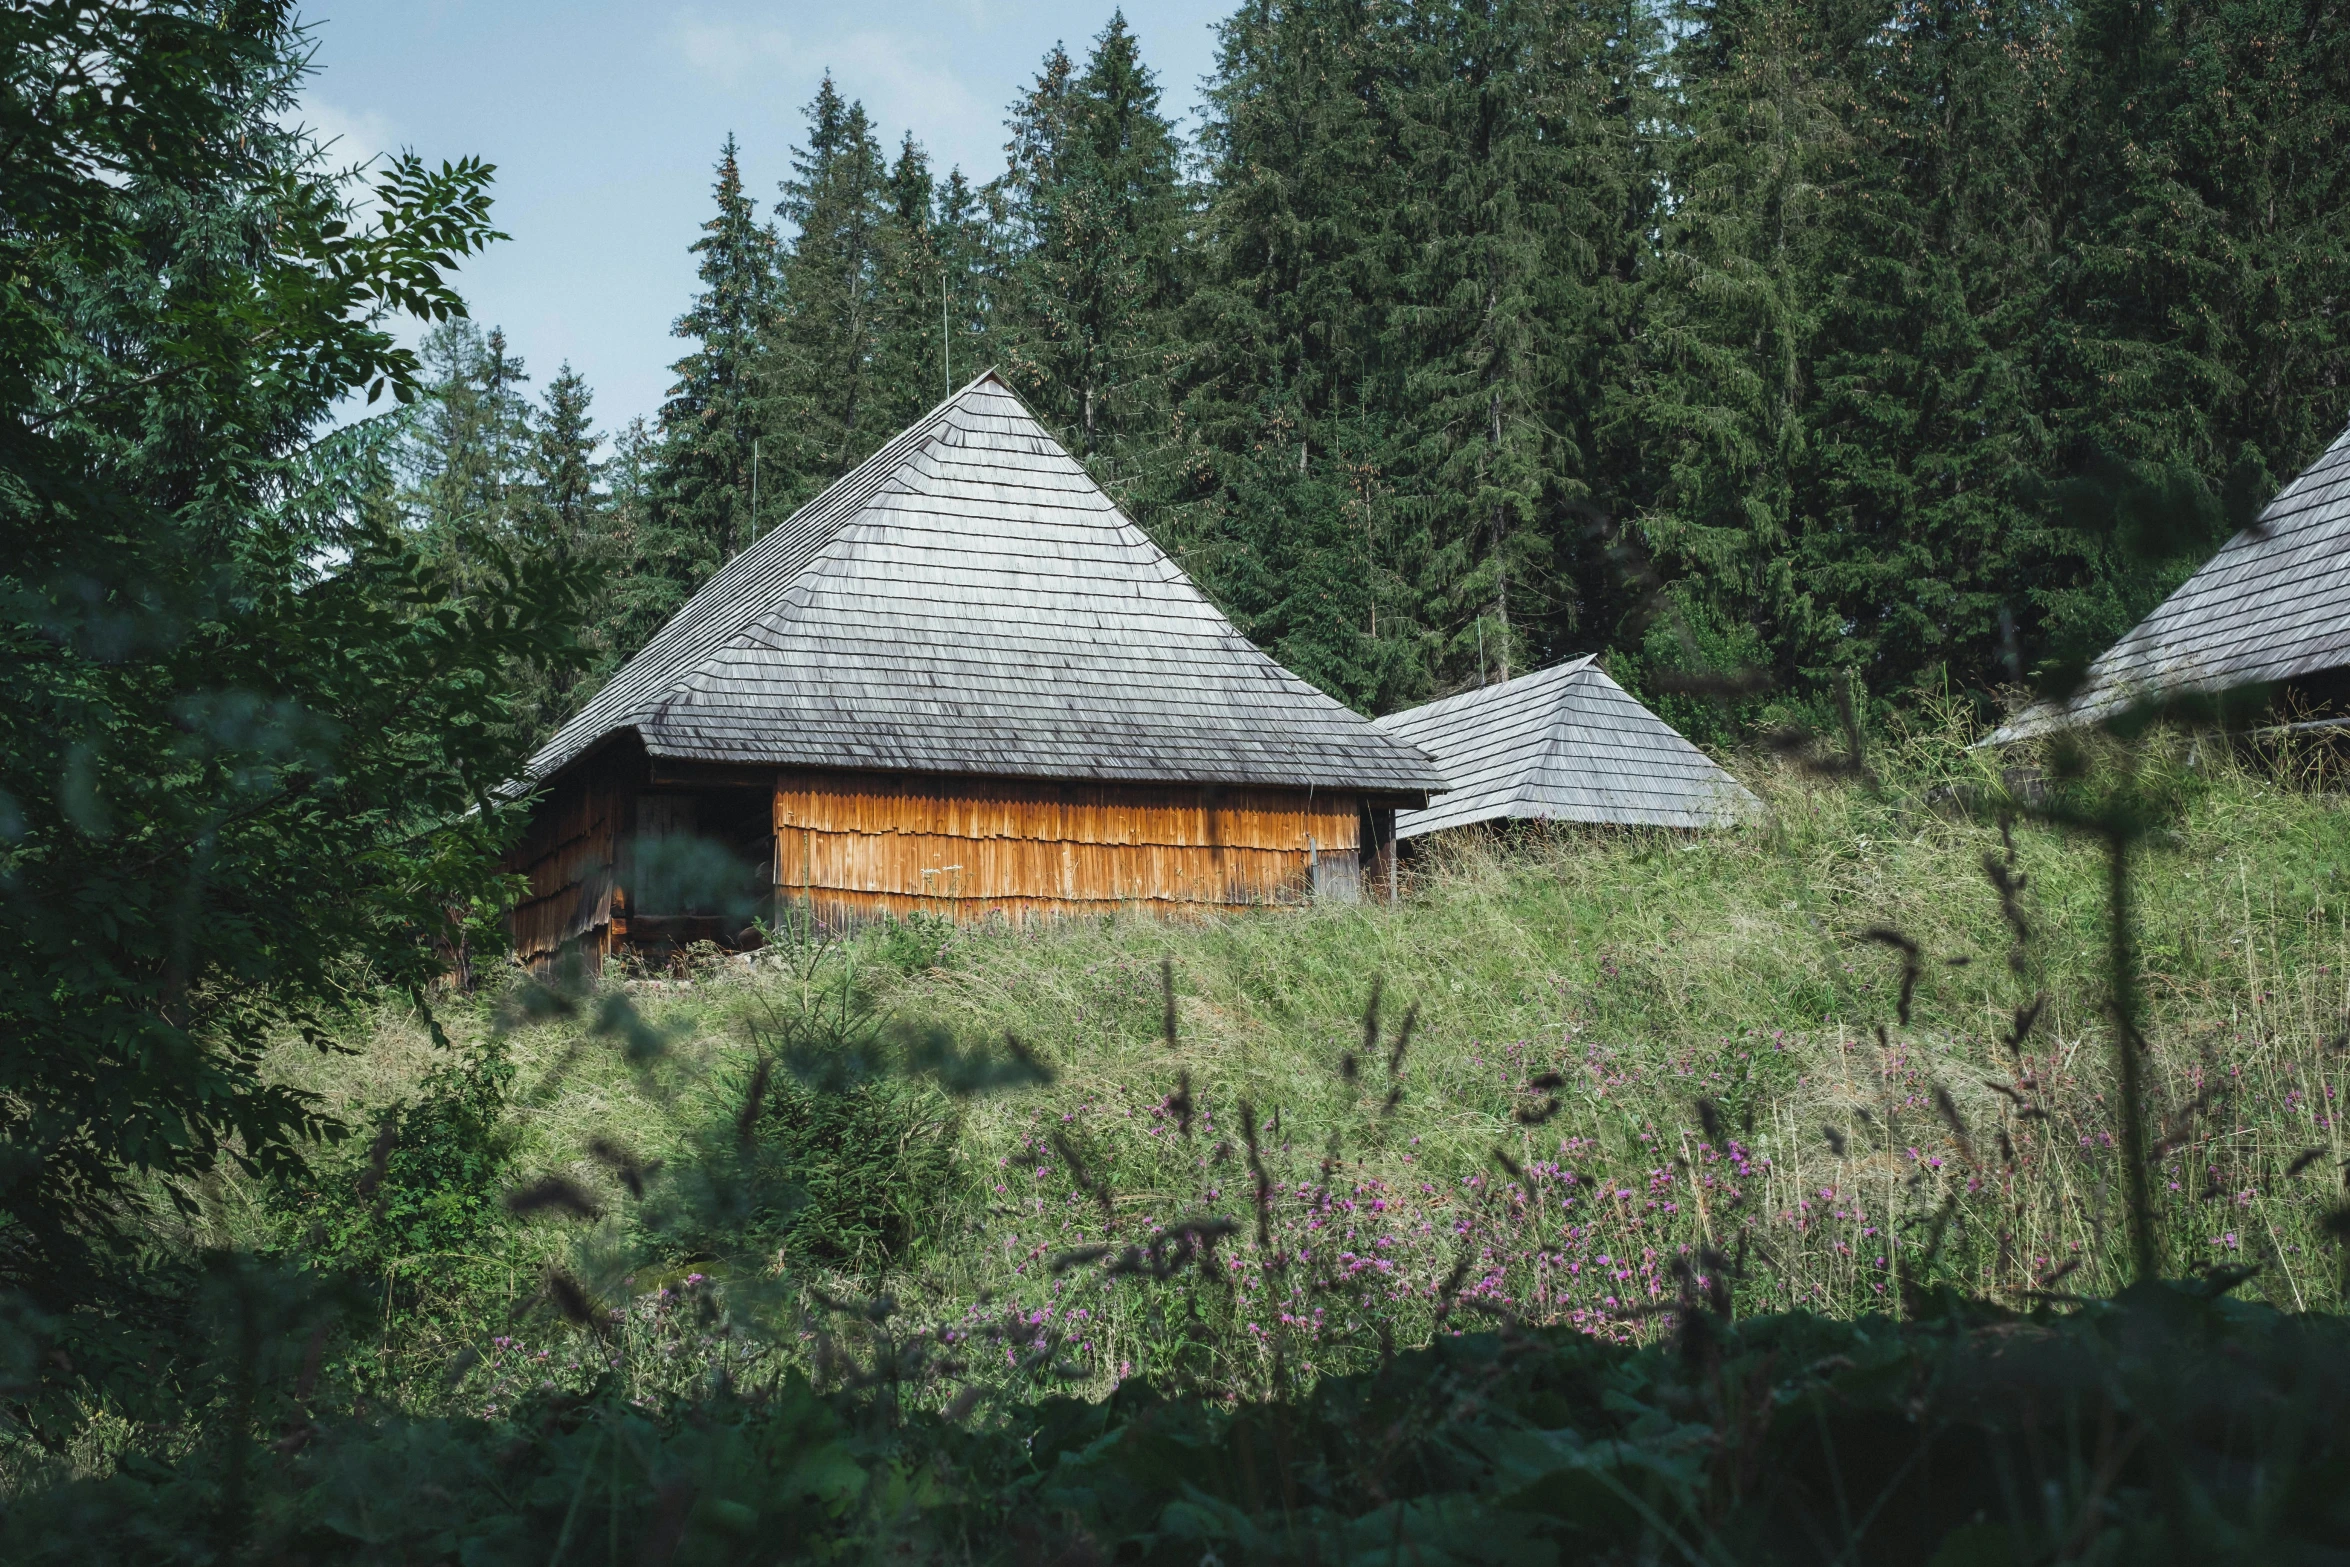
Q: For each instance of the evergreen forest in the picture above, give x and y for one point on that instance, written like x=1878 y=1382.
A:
x=1776 y=346
x=1942 y=1166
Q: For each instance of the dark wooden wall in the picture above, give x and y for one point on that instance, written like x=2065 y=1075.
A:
x=572 y=855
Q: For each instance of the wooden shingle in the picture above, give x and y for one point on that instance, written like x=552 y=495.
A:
x=969 y=601
x=1564 y=744
x=2272 y=605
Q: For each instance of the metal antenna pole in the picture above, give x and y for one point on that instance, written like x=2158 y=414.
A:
x=946 y=344
x=754 y=489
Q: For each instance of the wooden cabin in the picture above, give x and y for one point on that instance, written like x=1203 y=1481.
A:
x=1564 y=744
x=2272 y=608
x=960 y=682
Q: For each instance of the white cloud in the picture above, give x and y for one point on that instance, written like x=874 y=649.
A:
x=905 y=78
x=731 y=53
x=906 y=83
x=348 y=136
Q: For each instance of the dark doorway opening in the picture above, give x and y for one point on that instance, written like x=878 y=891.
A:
x=699 y=867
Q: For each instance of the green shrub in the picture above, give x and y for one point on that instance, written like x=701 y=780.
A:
x=916 y=943
x=2170 y=1426
x=852 y=1174
x=874 y=1165
x=429 y=1182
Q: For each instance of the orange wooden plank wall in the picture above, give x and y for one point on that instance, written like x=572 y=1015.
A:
x=861 y=845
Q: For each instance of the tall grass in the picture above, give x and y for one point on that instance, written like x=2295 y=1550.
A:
x=1638 y=1065
x=1748 y=1147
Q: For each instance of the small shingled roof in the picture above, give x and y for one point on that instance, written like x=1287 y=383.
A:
x=1565 y=744
x=968 y=600
x=2273 y=604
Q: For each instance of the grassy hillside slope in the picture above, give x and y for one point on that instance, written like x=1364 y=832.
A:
x=1639 y=1066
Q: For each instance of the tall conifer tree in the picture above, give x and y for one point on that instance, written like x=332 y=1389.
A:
x=1754 y=171
x=717 y=411
x=467 y=449
x=1421 y=249
x=568 y=516
x=961 y=234
x=492 y=481
x=912 y=292
x=1093 y=203
x=1502 y=227
x=830 y=408
x=564 y=465
x=1298 y=511
x=641 y=591
x=1910 y=527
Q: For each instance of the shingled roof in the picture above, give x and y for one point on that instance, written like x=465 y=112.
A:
x=2273 y=604
x=968 y=600
x=1564 y=744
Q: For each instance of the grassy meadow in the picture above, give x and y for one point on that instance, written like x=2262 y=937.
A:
x=1637 y=1065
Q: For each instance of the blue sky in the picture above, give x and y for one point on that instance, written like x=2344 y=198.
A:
x=604 y=120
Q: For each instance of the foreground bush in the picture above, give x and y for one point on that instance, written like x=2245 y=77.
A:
x=2168 y=1425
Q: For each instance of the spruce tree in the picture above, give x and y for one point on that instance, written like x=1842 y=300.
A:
x=1500 y=233
x=1910 y=528
x=249 y=756
x=911 y=291
x=961 y=236
x=640 y=591
x=564 y=466
x=718 y=410
x=830 y=409
x=492 y=482
x=569 y=518
x=1287 y=378
x=468 y=444
x=1420 y=263
x=1093 y=203
x=1753 y=173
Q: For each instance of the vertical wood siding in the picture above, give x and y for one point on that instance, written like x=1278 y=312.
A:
x=571 y=854
x=857 y=846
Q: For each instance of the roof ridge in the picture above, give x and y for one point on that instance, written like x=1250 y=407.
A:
x=1572 y=745
x=1553 y=737
x=1471 y=697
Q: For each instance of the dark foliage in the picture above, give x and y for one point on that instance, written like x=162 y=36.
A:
x=424 y=1187
x=251 y=733
x=853 y=1171
x=2168 y=1426
x=871 y=1168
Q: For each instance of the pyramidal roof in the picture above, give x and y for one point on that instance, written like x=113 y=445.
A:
x=1565 y=744
x=2274 y=603
x=968 y=600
